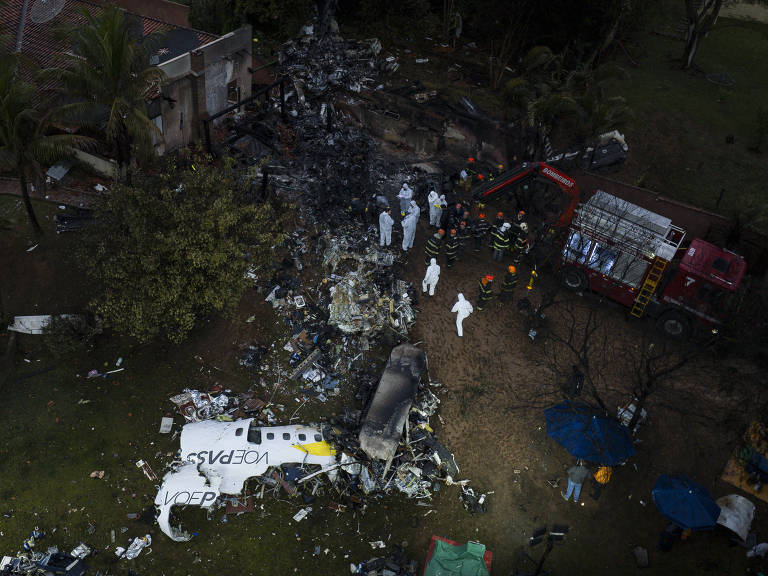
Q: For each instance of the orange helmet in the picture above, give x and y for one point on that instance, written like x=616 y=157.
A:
x=441 y=232
x=489 y=277
x=470 y=160
x=512 y=269
x=499 y=214
x=481 y=216
x=453 y=231
x=480 y=176
x=484 y=281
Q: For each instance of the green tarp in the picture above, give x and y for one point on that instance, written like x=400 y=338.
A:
x=448 y=560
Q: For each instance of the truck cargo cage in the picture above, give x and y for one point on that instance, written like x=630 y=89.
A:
x=628 y=227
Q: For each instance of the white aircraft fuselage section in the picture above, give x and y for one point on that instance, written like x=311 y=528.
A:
x=218 y=457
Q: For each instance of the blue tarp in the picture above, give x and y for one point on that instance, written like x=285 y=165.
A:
x=685 y=502
x=586 y=434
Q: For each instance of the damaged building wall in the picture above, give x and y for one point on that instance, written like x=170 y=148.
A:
x=201 y=83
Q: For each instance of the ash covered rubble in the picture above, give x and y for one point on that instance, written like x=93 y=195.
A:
x=234 y=451
x=341 y=299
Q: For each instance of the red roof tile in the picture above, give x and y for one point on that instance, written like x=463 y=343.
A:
x=39 y=42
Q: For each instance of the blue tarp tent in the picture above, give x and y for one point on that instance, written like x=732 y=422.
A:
x=580 y=429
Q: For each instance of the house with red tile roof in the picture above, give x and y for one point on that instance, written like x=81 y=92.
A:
x=204 y=71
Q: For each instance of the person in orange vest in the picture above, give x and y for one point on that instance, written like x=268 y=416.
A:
x=601 y=477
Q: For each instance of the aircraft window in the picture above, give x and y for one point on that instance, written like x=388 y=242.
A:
x=302 y=437
x=270 y=436
x=318 y=438
x=286 y=436
x=239 y=432
x=254 y=434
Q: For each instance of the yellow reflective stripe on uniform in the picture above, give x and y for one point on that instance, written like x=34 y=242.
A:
x=316 y=448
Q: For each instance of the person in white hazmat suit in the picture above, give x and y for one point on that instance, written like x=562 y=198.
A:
x=385 y=227
x=405 y=195
x=413 y=208
x=435 y=210
x=464 y=309
x=409 y=230
x=431 y=277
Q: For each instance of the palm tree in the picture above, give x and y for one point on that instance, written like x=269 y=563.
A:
x=539 y=97
x=105 y=81
x=25 y=142
x=600 y=113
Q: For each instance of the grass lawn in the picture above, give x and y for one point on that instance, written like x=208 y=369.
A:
x=682 y=121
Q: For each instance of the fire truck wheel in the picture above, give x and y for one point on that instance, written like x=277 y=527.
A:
x=675 y=324
x=574 y=279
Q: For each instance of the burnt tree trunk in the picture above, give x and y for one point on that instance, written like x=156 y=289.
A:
x=700 y=21
x=28 y=202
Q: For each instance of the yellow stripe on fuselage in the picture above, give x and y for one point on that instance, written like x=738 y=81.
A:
x=316 y=448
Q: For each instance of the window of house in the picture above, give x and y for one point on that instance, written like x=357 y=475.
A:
x=233 y=93
x=156 y=138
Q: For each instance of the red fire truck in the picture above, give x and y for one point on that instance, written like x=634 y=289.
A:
x=642 y=260
x=634 y=256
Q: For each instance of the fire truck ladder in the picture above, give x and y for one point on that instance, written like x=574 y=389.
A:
x=649 y=287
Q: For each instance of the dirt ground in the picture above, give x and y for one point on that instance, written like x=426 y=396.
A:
x=495 y=372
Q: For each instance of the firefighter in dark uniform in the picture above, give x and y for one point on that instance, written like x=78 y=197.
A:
x=497 y=223
x=464 y=234
x=521 y=243
x=432 y=247
x=452 y=248
x=500 y=238
x=457 y=214
x=508 y=285
x=486 y=292
x=480 y=228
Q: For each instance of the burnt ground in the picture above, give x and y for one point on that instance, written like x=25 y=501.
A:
x=498 y=380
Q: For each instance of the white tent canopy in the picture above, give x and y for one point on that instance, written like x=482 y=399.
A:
x=736 y=514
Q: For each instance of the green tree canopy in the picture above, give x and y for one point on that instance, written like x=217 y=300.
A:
x=171 y=249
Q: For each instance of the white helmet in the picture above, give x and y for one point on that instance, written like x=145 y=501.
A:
x=524 y=227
